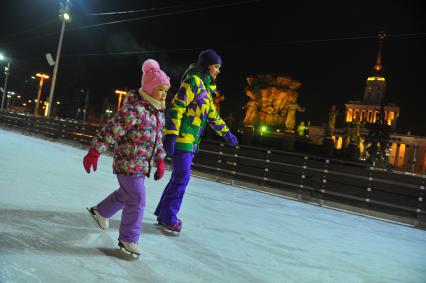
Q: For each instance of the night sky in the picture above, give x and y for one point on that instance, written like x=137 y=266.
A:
x=329 y=46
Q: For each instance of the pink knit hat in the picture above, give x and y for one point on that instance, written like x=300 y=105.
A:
x=153 y=76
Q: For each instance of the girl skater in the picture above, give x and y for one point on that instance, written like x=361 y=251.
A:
x=191 y=109
x=136 y=130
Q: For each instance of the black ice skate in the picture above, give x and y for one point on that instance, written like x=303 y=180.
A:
x=173 y=229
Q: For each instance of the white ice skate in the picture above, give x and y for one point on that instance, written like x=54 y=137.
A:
x=102 y=221
x=132 y=248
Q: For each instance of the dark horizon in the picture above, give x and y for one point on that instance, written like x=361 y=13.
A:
x=330 y=47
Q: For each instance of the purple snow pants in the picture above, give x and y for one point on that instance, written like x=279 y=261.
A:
x=171 y=200
x=131 y=198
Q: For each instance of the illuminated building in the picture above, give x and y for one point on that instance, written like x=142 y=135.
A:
x=406 y=152
x=374 y=96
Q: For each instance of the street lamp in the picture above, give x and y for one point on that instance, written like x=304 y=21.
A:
x=64 y=15
x=86 y=101
x=42 y=78
x=120 y=95
x=109 y=112
x=6 y=73
x=10 y=95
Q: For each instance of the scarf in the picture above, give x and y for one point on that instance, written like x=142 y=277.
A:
x=159 y=105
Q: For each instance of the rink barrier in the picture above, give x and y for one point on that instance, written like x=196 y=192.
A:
x=353 y=186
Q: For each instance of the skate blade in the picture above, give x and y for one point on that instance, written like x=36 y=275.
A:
x=168 y=232
x=94 y=216
x=127 y=252
x=128 y=255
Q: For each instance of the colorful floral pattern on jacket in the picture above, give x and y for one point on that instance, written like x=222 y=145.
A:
x=191 y=109
x=136 y=132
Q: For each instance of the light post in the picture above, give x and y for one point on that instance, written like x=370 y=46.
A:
x=64 y=15
x=120 y=96
x=6 y=73
x=42 y=78
x=10 y=95
x=86 y=101
x=109 y=112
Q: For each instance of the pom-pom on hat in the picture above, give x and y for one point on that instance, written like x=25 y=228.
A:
x=153 y=76
x=209 y=57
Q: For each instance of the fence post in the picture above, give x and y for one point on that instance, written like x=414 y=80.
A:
x=369 y=185
x=234 y=170
x=266 y=169
x=303 y=174
x=219 y=161
x=420 y=221
x=324 y=181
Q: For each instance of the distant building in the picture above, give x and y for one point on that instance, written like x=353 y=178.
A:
x=407 y=152
x=374 y=96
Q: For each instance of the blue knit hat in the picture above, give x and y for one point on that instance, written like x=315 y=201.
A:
x=209 y=57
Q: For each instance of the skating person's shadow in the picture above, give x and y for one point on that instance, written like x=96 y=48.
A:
x=58 y=232
x=117 y=253
x=150 y=226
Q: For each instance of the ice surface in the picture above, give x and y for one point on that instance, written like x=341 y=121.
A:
x=229 y=234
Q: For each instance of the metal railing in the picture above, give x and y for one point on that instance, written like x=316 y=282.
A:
x=353 y=186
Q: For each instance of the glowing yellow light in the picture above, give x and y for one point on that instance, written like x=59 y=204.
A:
x=401 y=155
x=349 y=115
x=391 y=116
x=393 y=153
x=46 y=108
x=42 y=76
x=81 y=135
x=120 y=95
x=370 y=116
x=339 y=143
x=375 y=79
x=66 y=16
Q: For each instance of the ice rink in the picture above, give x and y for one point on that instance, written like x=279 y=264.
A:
x=229 y=234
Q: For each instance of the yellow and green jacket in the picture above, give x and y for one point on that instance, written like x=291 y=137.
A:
x=191 y=109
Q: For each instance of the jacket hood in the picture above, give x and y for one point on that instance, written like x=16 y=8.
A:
x=133 y=97
x=199 y=71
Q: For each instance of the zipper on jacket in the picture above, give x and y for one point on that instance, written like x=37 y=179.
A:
x=155 y=143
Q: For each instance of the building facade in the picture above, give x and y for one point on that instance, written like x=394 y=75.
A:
x=406 y=152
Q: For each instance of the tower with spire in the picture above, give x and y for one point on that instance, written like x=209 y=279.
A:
x=375 y=86
x=368 y=109
x=371 y=123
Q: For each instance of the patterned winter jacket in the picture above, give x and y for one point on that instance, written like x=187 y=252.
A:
x=137 y=131
x=191 y=109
